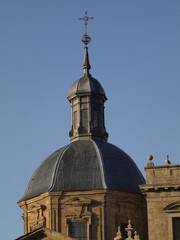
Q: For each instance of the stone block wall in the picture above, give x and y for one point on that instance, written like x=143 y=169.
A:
x=162 y=191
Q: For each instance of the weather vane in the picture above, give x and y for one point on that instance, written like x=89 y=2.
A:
x=85 y=38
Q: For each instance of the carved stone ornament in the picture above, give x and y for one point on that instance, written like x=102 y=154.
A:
x=79 y=210
x=36 y=216
x=172 y=208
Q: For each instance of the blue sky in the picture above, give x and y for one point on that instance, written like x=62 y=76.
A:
x=134 y=53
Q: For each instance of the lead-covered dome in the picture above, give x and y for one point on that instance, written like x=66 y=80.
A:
x=85 y=165
x=86 y=84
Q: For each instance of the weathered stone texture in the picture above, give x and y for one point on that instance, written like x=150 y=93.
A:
x=102 y=210
x=163 y=175
x=162 y=189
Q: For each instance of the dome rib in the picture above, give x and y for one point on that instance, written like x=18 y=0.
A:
x=121 y=171
x=101 y=163
x=42 y=178
x=56 y=168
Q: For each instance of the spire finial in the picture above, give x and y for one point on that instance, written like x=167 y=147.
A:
x=85 y=38
x=118 y=235
x=129 y=229
x=86 y=65
x=167 y=162
x=86 y=19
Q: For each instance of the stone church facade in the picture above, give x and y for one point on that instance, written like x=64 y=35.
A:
x=91 y=189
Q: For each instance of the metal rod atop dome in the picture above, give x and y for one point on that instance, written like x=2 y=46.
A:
x=85 y=38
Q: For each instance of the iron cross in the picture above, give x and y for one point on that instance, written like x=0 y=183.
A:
x=86 y=19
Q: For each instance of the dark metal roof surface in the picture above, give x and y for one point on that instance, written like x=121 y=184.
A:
x=80 y=168
x=121 y=172
x=85 y=165
x=86 y=84
x=43 y=176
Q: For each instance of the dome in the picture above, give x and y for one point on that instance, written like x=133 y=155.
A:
x=85 y=165
x=86 y=84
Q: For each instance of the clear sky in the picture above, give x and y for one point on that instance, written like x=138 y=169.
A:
x=134 y=53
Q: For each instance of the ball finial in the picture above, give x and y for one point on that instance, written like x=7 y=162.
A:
x=150 y=157
x=86 y=39
x=150 y=163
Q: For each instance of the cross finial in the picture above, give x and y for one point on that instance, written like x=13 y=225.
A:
x=86 y=18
